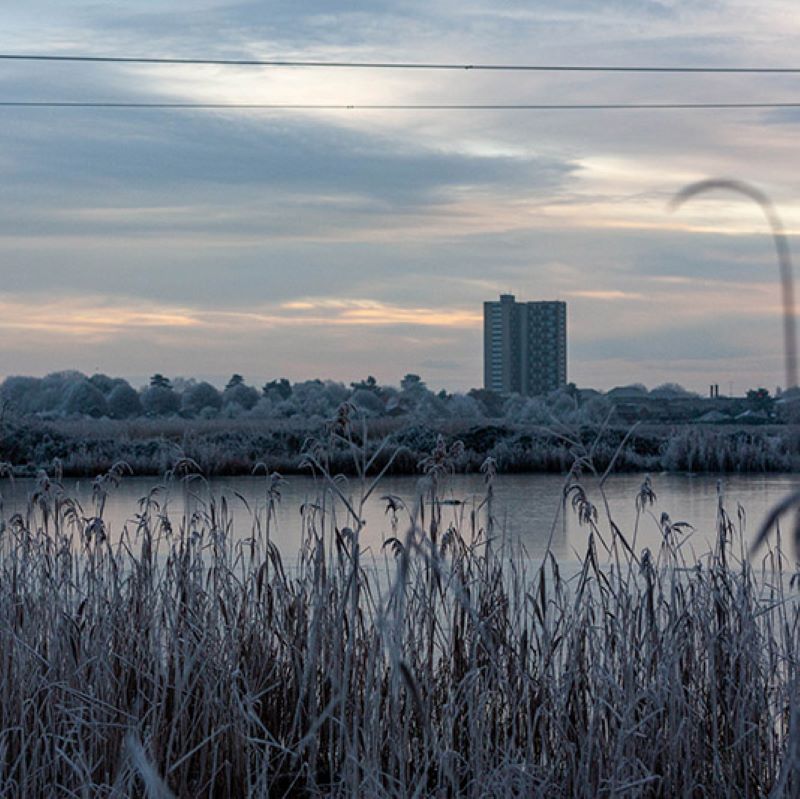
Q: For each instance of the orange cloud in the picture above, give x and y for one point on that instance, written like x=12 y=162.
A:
x=100 y=317
x=371 y=312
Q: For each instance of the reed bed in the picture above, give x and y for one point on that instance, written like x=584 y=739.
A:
x=186 y=658
x=233 y=446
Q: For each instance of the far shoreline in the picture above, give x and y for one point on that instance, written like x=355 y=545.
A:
x=81 y=448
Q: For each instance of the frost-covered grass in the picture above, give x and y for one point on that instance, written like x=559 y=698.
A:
x=233 y=446
x=186 y=658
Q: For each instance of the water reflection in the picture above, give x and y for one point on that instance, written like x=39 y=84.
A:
x=528 y=508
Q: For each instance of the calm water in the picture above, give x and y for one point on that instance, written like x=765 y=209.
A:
x=528 y=507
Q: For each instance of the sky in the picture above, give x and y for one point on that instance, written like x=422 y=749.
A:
x=337 y=244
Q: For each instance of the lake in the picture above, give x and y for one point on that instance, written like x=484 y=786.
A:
x=527 y=506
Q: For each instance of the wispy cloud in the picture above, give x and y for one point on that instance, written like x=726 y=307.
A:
x=606 y=294
x=374 y=237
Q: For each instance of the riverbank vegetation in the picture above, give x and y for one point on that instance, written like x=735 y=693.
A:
x=84 y=447
x=88 y=424
x=184 y=656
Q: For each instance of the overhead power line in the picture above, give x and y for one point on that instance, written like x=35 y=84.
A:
x=394 y=107
x=280 y=62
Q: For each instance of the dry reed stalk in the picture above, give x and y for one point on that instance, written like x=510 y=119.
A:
x=173 y=659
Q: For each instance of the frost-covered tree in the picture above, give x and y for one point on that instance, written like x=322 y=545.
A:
x=124 y=401
x=313 y=398
x=368 y=401
x=103 y=383
x=563 y=404
x=414 y=394
x=428 y=406
x=263 y=409
x=159 y=381
x=21 y=393
x=53 y=388
x=199 y=397
x=277 y=389
x=180 y=384
x=86 y=399
x=412 y=382
x=464 y=407
x=236 y=380
x=158 y=400
x=527 y=410
x=29 y=395
x=337 y=392
x=239 y=396
x=370 y=384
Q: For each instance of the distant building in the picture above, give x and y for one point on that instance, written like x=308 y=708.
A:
x=524 y=346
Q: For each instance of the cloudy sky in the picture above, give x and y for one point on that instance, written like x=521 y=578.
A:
x=341 y=244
